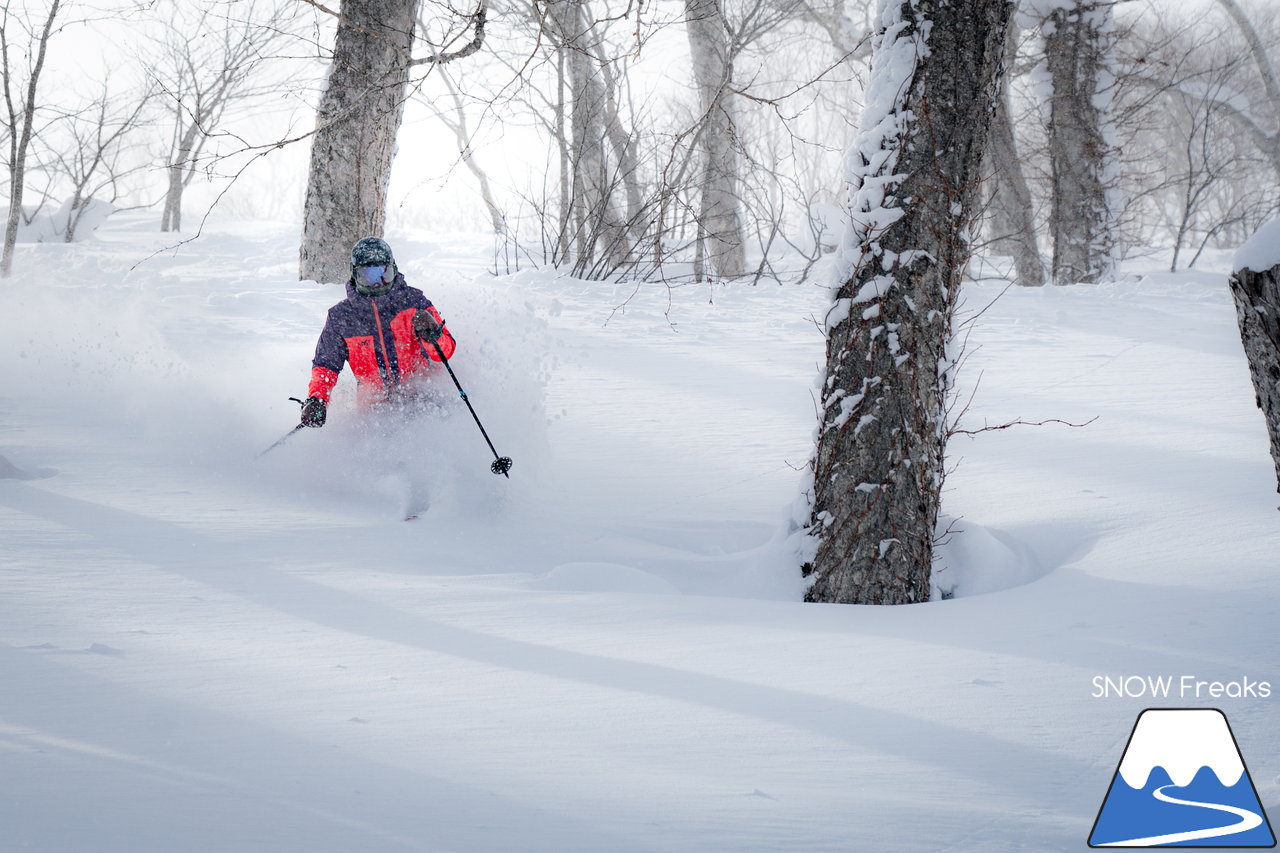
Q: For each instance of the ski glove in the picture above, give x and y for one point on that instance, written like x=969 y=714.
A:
x=313 y=412
x=426 y=327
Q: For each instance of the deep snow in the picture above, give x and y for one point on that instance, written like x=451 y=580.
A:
x=204 y=651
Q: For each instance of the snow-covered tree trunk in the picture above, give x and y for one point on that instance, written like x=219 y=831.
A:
x=1012 y=220
x=355 y=141
x=1078 y=37
x=915 y=170
x=718 y=220
x=1255 y=286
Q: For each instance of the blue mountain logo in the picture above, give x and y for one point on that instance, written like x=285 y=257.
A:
x=1182 y=782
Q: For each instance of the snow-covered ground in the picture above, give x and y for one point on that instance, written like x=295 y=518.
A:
x=201 y=650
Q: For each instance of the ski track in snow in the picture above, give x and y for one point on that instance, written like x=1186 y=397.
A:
x=201 y=651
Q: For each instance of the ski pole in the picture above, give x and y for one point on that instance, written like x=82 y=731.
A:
x=501 y=464
x=288 y=435
x=281 y=440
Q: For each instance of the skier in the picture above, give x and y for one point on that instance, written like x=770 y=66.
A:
x=386 y=330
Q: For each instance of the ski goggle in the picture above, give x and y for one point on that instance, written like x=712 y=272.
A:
x=373 y=275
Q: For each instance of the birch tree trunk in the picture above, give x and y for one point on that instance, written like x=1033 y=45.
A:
x=1081 y=219
x=1257 y=298
x=355 y=141
x=915 y=167
x=1013 y=224
x=719 y=224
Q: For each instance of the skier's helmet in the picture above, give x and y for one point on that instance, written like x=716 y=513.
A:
x=373 y=268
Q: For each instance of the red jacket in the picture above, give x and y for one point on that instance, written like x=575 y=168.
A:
x=374 y=334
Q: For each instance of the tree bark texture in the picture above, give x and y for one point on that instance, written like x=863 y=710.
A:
x=1012 y=219
x=1257 y=298
x=599 y=234
x=355 y=140
x=878 y=469
x=1081 y=221
x=718 y=220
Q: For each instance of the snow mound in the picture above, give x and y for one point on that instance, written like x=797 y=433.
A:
x=53 y=227
x=976 y=560
x=602 y=577
x=10 y=471
x=1261 y=251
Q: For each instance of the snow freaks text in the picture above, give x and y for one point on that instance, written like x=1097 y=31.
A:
x=1177 y=687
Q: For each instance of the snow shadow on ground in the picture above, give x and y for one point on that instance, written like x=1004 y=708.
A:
x=139 y=749
x=175 y=549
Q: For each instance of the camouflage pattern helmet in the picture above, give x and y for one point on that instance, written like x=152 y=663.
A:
x=373 y=267
x=371 y=252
